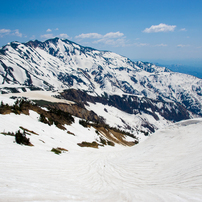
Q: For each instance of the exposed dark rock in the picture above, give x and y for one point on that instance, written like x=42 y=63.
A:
x=131 y=104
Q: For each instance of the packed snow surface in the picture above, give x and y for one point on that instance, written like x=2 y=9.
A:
x=167 y=166
x=36 y=95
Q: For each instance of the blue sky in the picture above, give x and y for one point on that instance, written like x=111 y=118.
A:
x=148 y=30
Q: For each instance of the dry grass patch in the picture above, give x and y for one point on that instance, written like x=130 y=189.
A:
x=28 y=131
x=69 y=132
x=89 y=144
x=114 y=136
x=58 y=150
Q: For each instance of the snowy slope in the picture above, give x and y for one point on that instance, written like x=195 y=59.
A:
x=58 y=64
x=145 y=119
x=165 y=167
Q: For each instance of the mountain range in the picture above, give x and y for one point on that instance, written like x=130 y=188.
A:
x=88 y=76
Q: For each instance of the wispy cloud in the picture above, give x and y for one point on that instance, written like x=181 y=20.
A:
x=48 y=30
x=141 y=44
x=17 y=33
x=183 y=30
x=99 y=36
x=4 y=32
x=182 y=45
x=111 y=38
x=63 y=35
x=160 y=28
x=48 y=36
x=161 y=45
x=111 y=42
x=147 y=44
x=113 y=35
x=89 y=35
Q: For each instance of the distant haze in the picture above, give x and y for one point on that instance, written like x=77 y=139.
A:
x=192 y=67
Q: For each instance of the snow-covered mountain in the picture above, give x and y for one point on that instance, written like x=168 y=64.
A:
x=58 y=64
x=88 y=106
x=154 y=94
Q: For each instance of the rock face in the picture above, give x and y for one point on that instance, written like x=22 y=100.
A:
x=131 y=104
x=101 y=76
x=77 y=111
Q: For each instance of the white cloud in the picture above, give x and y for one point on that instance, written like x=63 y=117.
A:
x=47 y=36
x=56 y=29
x=141 y=44
x=17 y=33
x=111 y=42
x=89 y=35
x=113 y=35
x=48 y=30
x=161 y=45
x=160 y=28
x=100 y=36
x=183 y=29
x=111 y=38
x=5 y=31
x=181 y=46
x=63 y=36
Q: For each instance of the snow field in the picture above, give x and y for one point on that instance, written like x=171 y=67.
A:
x=35 y=95
x=167 y=166
x=114 y=117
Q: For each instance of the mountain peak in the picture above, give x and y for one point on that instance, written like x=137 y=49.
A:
x=52 y=40
x=33 y=44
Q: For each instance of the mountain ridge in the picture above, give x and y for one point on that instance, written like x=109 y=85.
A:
x=139 y=88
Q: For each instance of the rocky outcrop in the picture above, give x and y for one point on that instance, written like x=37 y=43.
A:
x=131 y=104
x=77 y=111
